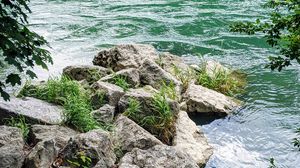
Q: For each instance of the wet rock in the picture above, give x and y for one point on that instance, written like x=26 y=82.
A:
x=104 y=114
x=159 y=156
x=203 y=100
x=89 y=73
x=95 y=144
x=125 y=56
x=130 y=135
x=34 y=110
x=145 y=97
x=11 y=147
x=131 y=75
x=152 y=74
x=191 y=140
x=112 y=92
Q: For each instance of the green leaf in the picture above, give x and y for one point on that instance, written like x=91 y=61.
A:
x=13 y=79
x=31 y=74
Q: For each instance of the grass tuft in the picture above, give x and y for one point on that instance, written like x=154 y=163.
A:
x=121 y=81
x=20 y=122
x=169 y=90
x=71 y=96
x=160 y=122
x=185 y=76
x=228 y=83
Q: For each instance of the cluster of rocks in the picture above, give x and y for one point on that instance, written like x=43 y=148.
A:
x=57 y=146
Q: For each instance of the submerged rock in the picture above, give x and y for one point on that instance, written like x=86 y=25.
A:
x=11 y=147
x=191 y=140
x=130 y=135
x=203 y=100
x=89 y=73
x=34 y=110
x=152 y=74
x=159 y=156
x=125 y=56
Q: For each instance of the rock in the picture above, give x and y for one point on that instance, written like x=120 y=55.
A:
x=203 y=100
x=125 y=56
x=131 y=75
x=42 y=155
x=159 y=156
x=11 y=147
x=191 y=140
x=169 y=62
x=49 y=139
x=152 y=74
x=88 y=72
x=130 y=135
x=95 y=144
x=104 y=114
x=34 y=110
x=213 y=67
x=112 y=92
x=60 y=134
x=145 y=98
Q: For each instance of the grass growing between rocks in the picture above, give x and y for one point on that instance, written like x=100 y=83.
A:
x=185 y=76
x=20 y=122
x=68 y=93
x=228 y=83
x=160 y=122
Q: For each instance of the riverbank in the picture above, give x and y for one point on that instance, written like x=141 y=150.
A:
x=129 y=109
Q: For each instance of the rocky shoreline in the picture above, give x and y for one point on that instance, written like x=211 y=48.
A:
x=131 y=143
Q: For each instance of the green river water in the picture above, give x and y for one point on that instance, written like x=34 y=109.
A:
x=263 y=128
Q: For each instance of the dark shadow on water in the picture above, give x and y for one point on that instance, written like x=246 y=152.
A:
x=205 y=118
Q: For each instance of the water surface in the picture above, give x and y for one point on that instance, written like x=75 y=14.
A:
x=263 y=128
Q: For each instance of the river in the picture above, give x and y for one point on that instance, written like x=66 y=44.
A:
x=263 y=128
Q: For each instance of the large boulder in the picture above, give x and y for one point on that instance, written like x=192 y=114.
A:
x=170 y=62
x=49 y=139
x=145 y=97
x=159 y=156
x=112 y=92
x=129 y=135
x=96 y=145
x=89 y=73
x=152 y=74
x=34 y=110
x=104 y=114
x=203 y=100
x=131 y=75
x=191 y=140
x=11 y=147
x=125 y=56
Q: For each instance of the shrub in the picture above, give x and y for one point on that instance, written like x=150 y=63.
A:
x=69 y=94
x=228 y=83
x=20 y=122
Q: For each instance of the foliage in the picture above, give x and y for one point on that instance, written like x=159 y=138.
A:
x=19 y=122
x=133 y=108
x=185 y=76
x=121 y=81
x=296 y=141
x=160 y=122
x=80 y=161
x=228 y=83
x=169 y=90
x=93 y=76
x=282 y=31
x=118 y=152
x=69 y=94
x=272 y=163
x=98 y=99
x=19 y=47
